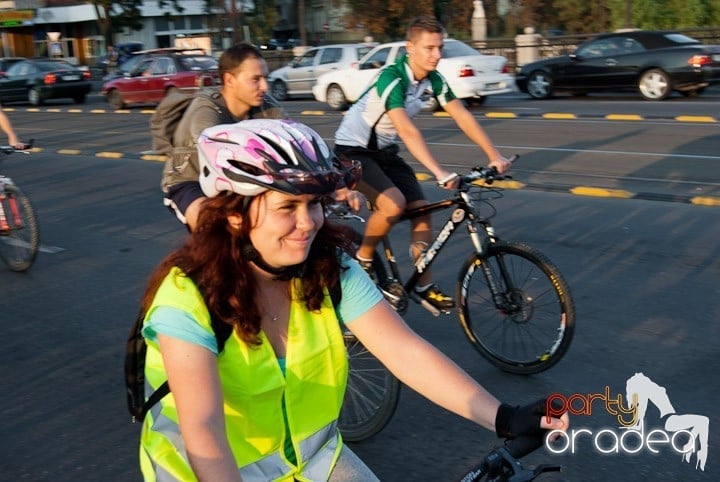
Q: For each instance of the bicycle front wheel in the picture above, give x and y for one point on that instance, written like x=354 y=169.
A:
x=371 y=395
x=526 y=326
x=19 y=236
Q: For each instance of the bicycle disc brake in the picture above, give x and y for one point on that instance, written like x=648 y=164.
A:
x=396 y=295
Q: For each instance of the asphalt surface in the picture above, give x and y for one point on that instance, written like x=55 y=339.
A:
x=581 y=190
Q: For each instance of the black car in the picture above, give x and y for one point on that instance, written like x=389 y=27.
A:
x=6 y=62
x=655 y=63
x=37 y=80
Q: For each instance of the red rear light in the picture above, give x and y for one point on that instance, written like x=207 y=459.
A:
x=466 y=71
x=86 y=74
x=505 y=69
x=699 y=60
x=206 y=81
x=49 y=79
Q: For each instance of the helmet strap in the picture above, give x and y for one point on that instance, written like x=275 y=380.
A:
x=282 y=274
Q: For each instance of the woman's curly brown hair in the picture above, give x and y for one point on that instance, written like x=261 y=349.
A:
x=212 y=257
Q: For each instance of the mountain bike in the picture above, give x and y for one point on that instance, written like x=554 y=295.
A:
x=514 y=305
x=19 y=236
x=502 y=464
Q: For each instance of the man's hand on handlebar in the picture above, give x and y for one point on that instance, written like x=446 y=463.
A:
x=354 y=199
x=451 y=181
x=502 y=164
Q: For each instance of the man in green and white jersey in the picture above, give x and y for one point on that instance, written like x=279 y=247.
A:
x=370 y=130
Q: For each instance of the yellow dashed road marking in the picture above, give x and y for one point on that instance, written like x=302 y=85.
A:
x=423 y=176
x=559 y=115
x=153 y=157
x=110 y=155
x=695 y=118
x=501 y=115
x=706 y=201
x=68 y=151
x=600 y=192
x=624 y=117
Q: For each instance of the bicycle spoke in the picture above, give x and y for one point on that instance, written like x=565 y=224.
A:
x=524 y=327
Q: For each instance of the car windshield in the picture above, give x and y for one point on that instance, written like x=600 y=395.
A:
x=454 y=48
x=681 y=39
x=51 y=66
x=199 y=63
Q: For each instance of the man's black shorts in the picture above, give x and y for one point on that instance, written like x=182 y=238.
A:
x=381 y=170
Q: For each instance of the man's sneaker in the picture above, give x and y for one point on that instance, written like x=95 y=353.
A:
x=437 y=298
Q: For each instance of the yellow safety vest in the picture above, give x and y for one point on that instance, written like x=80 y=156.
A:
x=254 y=387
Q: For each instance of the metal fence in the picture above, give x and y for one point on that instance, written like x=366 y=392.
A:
x=566 y=44
x=507 y=47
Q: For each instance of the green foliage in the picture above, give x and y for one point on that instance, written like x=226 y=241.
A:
x=115 y=15
x=386 y=19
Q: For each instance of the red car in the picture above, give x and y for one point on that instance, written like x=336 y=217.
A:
x=160 y=73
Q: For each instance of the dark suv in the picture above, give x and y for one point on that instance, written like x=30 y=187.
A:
x=159 y=73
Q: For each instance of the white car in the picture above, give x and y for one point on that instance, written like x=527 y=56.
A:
x=298 y=77
x=470 y=74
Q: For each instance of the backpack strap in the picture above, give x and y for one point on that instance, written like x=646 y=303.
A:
x=222 y=332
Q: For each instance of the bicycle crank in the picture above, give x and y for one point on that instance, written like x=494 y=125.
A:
x=396 y=295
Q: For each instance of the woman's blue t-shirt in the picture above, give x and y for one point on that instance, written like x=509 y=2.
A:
x=359 y=294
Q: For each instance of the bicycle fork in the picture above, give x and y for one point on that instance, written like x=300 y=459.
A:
x=15 y=220
x=500 y=297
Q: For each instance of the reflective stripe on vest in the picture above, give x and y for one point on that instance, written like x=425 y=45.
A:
x=316 y=373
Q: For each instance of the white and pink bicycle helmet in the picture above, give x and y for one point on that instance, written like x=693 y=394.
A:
x=252 y=156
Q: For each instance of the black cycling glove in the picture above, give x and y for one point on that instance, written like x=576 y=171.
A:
x=511 y=422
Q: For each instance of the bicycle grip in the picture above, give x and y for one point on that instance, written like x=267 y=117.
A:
x=524 y=444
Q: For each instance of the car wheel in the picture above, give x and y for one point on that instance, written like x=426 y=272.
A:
x=279 y=90
x=539 y=85
x=336 y=98
x=172 y=91
x=431 y=105
x=115 y=99
x=34 y=96
x=654 y=84
x=79 y=99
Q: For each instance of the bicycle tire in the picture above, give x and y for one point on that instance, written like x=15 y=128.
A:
x=371 y=395
x=534 y=328
x=19 y=244
x=372 y=392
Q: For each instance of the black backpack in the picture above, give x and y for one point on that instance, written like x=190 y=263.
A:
x=135 y=349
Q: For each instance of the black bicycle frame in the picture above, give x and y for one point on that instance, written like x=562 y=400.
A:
x=463 y=213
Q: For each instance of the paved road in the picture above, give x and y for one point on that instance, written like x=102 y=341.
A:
x=643 y=274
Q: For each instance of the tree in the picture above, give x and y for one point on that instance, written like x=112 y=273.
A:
x=665 y=14
x=387 y=19
x=114 y=16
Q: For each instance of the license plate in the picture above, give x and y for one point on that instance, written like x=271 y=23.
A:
x=492 y=86
x=71 y=77
x=716 y=57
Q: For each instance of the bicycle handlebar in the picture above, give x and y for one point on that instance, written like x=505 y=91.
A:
x=502 y=463
x=489 y=174
x=24 y=150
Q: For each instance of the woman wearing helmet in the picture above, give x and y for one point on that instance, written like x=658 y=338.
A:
x=262 y=259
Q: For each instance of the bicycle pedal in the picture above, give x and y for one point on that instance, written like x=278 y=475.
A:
x=395 y=294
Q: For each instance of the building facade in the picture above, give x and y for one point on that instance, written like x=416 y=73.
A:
x=70 y=29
